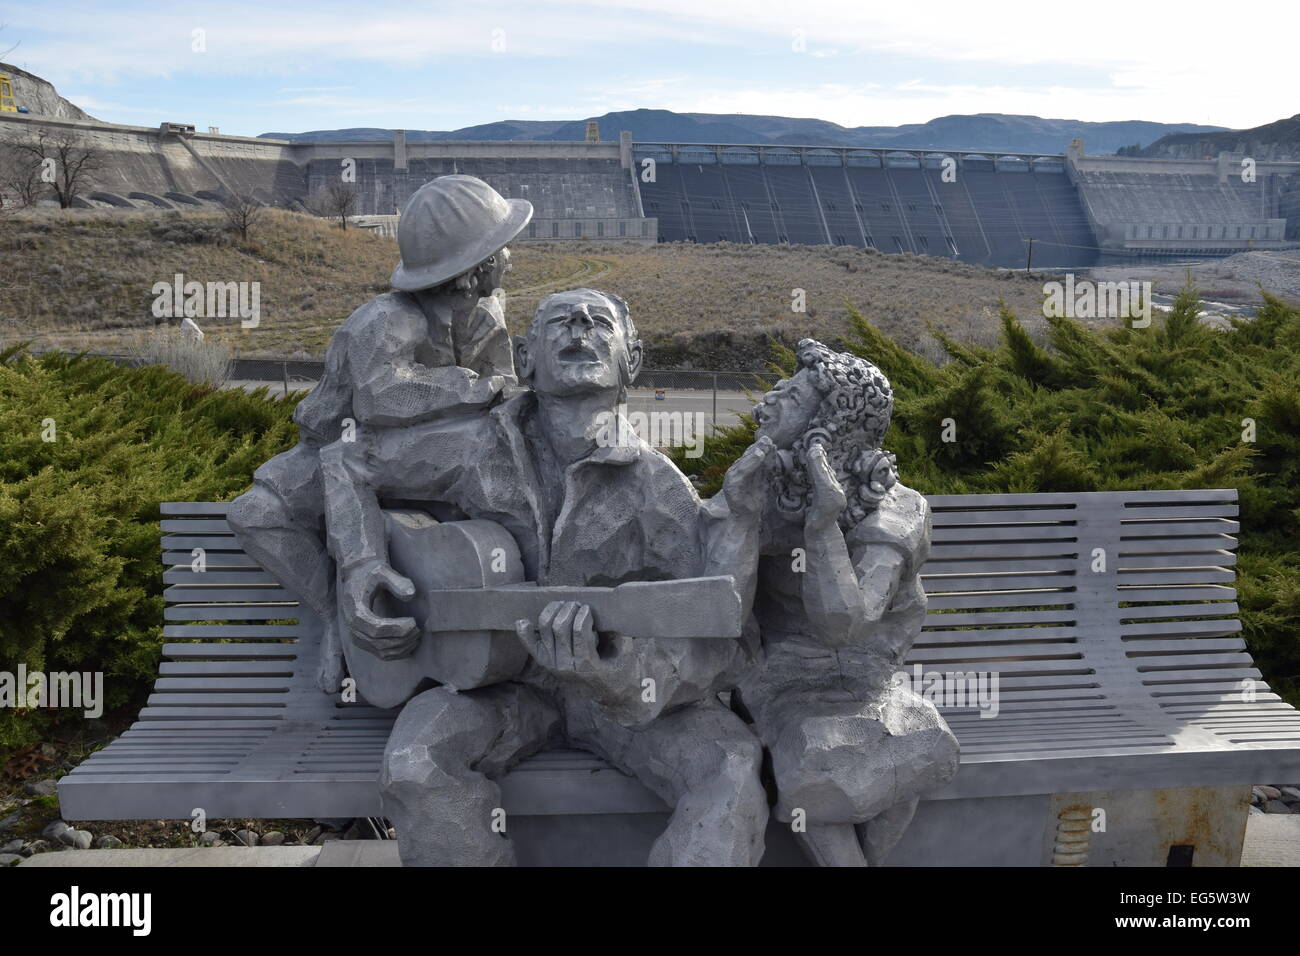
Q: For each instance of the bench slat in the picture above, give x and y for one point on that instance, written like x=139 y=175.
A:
x=1181 y=628
x=954 y=550
x=214 y=542
x=215 y=631
x=220 y=669
x=195 y=525
x=1215 y=559
x=194 y=507
x=230 y=612
x=209 y=577
x=1010 y=533
x=216 y=594
x=988 y=599
x=214 y=558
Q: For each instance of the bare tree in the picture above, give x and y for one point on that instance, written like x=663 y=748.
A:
x=20 y=178
x=336 y=201
x=64 y=158
x=242 y=212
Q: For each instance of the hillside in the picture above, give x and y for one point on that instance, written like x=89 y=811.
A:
x=1272 y=141
x=983 y=131
x=84 y=280
x=40 y=97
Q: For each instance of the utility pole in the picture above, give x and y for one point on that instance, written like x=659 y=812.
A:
x=1030 y=256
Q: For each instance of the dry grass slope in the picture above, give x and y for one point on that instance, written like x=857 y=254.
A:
x=83 y=279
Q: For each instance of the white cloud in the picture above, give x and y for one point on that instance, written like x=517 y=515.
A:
x=1212 y=64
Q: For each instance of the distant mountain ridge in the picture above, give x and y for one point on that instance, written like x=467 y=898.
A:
x=1272 y=141
x=999 y=132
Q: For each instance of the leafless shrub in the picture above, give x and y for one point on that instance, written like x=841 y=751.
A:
x=20 y=179
x=335 y=201
x=199 y=360
x=63 y=159
x=242 y=213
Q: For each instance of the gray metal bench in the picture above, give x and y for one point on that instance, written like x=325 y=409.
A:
x=1121 y=692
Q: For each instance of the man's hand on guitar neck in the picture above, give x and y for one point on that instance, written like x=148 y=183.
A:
x=388 y=638
x=565 y=642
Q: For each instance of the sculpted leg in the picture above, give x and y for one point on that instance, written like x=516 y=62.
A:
x=846 y=762
x=850 y=763
x=703 y=761
x=438 y=782
x=880 y=834
x=832 y=844
x=280 y=523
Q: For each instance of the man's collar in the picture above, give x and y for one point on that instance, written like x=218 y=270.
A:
x=515 y=410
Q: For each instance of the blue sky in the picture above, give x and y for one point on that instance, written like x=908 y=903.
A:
x=250 y=68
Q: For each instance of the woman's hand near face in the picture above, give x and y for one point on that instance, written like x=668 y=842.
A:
x=828 y=500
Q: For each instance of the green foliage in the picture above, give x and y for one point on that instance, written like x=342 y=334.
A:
x=1161 y=407
x=80 y=576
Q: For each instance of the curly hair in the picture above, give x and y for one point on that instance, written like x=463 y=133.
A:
x=850 y=423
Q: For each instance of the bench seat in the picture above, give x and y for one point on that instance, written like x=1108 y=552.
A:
x=1109 y=618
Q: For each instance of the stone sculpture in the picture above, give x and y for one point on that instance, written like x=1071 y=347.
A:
x=583 y=514
x=436 y=344
x=513 y=577
x=839 y=604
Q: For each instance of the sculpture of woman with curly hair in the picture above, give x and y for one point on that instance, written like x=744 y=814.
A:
x=839 y=604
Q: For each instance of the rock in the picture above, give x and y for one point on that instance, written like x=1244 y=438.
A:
x=210 y=838
x=1276 y=806
x=246 y=838
x=9 y=859
x=13 y=846
x=313 y=835
x=11 y=821
x=48 y=750
x=1269 y=793
x=109 y=842
x=1255 y=810
x=53 y=830
x=392 y=833
x=40 y=788
x=1290 y=793
x=77 y=839
x=272 y=838
x=36 y=846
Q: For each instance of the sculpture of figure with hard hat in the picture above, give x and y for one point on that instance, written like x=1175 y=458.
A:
x=435 y=346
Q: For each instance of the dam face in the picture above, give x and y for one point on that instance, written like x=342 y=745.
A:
x=972 y=208
x=997 y=210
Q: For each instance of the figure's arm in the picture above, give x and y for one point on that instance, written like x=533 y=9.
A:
x=486 y=347
x=390 y=387
x=730 y=521
x=359 y=544
x=424 y=462
x=844 y=594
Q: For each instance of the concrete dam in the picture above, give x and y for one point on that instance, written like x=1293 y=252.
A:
x=1064 y=210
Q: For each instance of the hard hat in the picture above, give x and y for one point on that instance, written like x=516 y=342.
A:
x=449 y=226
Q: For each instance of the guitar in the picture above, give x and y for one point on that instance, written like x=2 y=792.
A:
x=470 y=591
